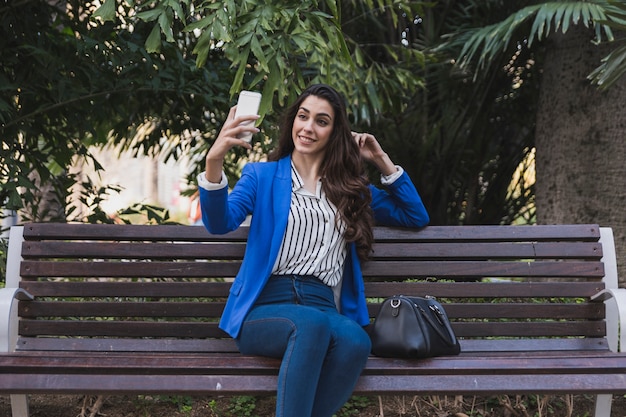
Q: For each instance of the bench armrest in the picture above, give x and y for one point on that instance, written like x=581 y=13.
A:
x=615 y=303
x=8 y=316
x=613 y=297
x=604 y=295
x=18 y=294
x=609 y=258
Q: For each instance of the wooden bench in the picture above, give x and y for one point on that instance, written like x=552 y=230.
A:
x=125 y=309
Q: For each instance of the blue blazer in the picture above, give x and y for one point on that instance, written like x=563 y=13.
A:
x=264 y=191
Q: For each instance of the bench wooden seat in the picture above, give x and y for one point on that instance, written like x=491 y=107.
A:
x=129 y=309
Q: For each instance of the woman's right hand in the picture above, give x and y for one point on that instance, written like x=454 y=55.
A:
x=226 y=140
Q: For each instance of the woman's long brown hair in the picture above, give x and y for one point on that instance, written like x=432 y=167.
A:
x=344 y=180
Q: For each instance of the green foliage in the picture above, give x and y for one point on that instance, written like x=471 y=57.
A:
x=74 y=77
x=183 y=403
x=538 y=21
x=213 y=406
x=68 y=84
x=507 y=113
x=144 y=404
x=301 y=41
x=462 y=139
x=354 y=406
x=243 y=406
x=158 y=78
x=613 y=66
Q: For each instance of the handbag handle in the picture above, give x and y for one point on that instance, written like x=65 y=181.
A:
x=447 y=338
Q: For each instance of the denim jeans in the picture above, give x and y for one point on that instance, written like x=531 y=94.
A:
x=322 y=351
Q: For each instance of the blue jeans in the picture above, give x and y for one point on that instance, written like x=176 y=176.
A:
x=322 y=351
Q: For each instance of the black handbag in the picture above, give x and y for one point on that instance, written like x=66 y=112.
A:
x=412 y=327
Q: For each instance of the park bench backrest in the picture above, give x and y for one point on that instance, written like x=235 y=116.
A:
x=162 y=288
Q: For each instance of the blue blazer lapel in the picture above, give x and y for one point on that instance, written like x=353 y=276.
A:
x=281 y=196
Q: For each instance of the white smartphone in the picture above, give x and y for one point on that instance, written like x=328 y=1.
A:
x=247 y=104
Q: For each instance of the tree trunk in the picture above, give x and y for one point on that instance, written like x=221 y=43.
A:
x=581 y=149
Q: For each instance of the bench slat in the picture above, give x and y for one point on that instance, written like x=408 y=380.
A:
x=485 y=311
x=265 y=384
x=203 y=309
x=206 y=364
x=62 y=231
x=119 y=328
x=547 y=384
x=129 y=328
x=482 y=233
x=122 y=250
x=476 y=269
x=485 y=289
x=478 y=250
x=165 y=345
x=127 y=289
x=483 y=347
x=390 y=269
x=30 y=269
x=235 y=250
x=373 y=289
x=121 y=232
x=529 y=329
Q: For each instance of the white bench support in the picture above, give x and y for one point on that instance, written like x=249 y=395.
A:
x=615 y=302
x=8 y=310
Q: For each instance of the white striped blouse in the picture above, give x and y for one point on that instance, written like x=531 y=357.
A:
x=314 y=242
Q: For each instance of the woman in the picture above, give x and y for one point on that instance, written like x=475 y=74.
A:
x=299 y=293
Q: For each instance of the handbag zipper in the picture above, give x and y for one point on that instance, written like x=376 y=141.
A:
x=438 y=314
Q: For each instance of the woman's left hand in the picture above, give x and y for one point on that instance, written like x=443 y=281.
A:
x=372 y=151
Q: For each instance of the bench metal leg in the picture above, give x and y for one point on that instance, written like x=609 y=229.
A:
x=8 y=311
x=19 y=405
x=603 y=405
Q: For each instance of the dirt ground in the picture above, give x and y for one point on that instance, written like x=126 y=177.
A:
x=400 y=406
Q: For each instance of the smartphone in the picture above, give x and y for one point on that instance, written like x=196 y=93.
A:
x=247 y=104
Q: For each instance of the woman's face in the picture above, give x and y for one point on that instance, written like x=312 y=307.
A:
x=313 y=126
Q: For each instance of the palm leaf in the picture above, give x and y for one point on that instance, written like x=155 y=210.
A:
x=612 y=68
x=484 y=44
